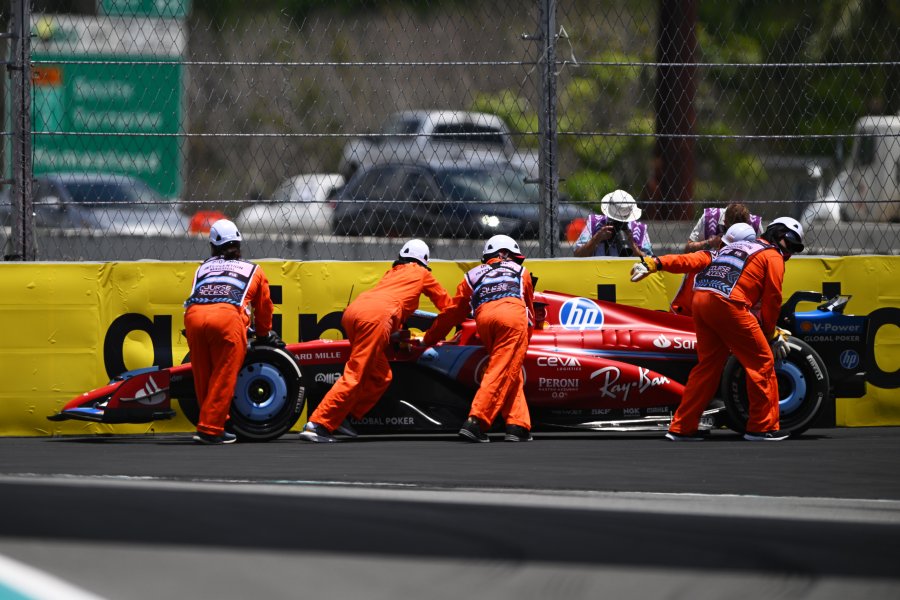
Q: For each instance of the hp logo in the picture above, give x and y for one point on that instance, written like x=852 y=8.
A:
x=849 y=359
x=581 y=314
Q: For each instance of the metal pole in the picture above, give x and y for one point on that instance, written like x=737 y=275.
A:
x=548 y=167
x=22 y=230
x=675 y=118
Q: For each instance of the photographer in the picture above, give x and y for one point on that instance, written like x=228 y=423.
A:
x=714 y=222
x=617 y=232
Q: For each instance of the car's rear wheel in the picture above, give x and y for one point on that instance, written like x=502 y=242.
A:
x=268 y=396
x=803 y=387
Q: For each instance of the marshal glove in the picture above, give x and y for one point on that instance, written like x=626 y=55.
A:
x=644 y=268
x=401 y=339
x=779 y=343
x=270 y=340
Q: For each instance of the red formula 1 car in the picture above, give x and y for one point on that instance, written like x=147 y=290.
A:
x=592 y=365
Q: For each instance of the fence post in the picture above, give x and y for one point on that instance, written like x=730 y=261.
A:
x=675 y=116
x=22 y=246
x=548 y=158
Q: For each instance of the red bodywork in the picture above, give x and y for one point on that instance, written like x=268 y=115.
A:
x=588 y=360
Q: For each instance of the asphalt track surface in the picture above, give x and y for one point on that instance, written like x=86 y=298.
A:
x=567 y=516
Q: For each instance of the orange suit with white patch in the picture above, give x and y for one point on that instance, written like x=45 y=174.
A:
x=217 y=337
x=504 y=325
x=725 y=325
x=368 y=323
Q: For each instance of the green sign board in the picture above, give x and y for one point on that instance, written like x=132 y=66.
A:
x=117 y=111
x=166 y=9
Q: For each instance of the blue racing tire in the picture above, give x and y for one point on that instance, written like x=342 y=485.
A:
x=268 y=396
x=803 y=387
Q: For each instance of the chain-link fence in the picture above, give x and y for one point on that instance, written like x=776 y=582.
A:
x=334 y=130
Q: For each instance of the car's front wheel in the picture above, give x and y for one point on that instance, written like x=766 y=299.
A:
x=803 y=387
x=268 y=396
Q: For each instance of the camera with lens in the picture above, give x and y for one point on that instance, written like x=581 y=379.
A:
x=622 y=237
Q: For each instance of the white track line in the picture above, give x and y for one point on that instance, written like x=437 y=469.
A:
x=34 y=584
x=710 y=505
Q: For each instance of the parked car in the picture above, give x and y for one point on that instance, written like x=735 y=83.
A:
x=435 y=201
x=867 y=188
x=104 y=202
x=437 y=137
x=301 y=204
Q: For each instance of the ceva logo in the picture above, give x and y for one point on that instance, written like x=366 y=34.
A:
x=581 y=314
x=662 y=342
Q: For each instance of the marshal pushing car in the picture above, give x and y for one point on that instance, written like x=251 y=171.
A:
x=592 y=365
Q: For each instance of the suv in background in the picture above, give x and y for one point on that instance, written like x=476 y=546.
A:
x=435 y=201
x=437 y=137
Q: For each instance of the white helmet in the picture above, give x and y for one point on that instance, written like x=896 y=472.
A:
x=501 y=242
x=417 y=250
x=222 y=232
x=791 y=224
x=739 y=232
x=793 y=233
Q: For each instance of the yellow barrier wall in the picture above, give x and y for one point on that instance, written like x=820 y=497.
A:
x=67 y=327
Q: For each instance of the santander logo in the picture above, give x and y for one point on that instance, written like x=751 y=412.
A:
x=662 y=342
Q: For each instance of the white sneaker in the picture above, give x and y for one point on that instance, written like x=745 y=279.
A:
x=313 y=432
x=684 y=437
x=766 y=436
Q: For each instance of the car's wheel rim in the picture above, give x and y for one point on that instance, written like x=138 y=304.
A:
x=260 y=393
x=791 y=387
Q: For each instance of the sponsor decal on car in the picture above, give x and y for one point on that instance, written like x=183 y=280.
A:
x=560 y=363
x=826 y=328
x=611 y=387
x=558 y=387
x=581 y=314
x=149 y=395
x=831 y=332
x=815 y=367
x=329 y=378
x=311 y=356
x=849 y=359
x=677 y=343
x=383 y=421
x=683 y=344
x=831 y=338
x=551 y=383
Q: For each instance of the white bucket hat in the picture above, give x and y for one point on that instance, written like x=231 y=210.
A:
x=620 y=206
